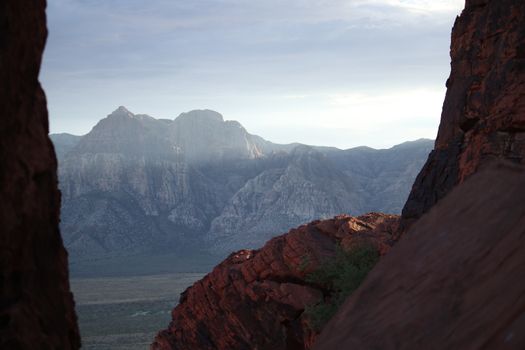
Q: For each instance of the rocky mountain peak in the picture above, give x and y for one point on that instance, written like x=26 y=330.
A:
x=200 y=115
x=120 y=112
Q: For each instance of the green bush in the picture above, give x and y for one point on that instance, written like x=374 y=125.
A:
x=339 y=277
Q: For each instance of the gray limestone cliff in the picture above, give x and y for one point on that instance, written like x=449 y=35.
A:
x=139 y=185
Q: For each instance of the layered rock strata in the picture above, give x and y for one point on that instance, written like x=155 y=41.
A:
x=257 y=298
x=135 y=185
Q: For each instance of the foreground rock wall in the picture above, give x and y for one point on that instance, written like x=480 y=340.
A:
x=256 y=298
x=454 y=281
x=36 y=306
x=484 y=111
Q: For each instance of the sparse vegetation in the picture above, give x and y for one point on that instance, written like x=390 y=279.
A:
x=339 y=277
x=305 y=262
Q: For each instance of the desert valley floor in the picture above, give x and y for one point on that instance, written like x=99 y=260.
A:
x=125 y=313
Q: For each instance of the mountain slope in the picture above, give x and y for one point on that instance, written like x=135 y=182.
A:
x=384 y=176
x=64 y=143
x=138 y=185
x=308 y=185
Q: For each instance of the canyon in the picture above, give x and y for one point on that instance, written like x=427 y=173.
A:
x=449 y=270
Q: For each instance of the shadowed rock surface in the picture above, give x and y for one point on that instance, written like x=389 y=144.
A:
x=256 y=298
x=36 y=306
x=484 y=111
x=454 y=281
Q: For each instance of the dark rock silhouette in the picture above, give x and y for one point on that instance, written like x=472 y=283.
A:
x=36 y=306
x=256 y=298
x=484 y=111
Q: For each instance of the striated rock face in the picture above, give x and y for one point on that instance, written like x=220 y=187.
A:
x=454 y=281
x=256 y=298
x=140 y=185
x=36 y=306
x=304 y=186
x=134 y=185
x=484 y=111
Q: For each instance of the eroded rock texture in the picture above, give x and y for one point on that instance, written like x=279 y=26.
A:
x=255 y=298
x=136 y=185
x=36 y=306
x=484 y=111
x=454 y=281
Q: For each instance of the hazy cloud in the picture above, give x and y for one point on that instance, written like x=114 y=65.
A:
x=244 y=58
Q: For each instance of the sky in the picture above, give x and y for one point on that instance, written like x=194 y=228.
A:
x=340 y=73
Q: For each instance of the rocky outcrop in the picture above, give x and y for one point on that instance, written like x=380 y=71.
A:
x=139 y=185
x=257 y=298
x=484 y=111
x=454 y=281
x=36 y=305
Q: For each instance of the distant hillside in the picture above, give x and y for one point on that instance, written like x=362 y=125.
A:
x=64 y=143
x=139 y=185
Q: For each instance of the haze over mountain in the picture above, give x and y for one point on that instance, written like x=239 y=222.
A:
x=137 y=185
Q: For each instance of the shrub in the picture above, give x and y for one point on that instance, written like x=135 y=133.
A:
x=339 y=277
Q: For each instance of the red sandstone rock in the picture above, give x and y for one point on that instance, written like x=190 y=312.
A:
x=484 y=111
x=256 y=298
x=454 y=281
x=36 y=306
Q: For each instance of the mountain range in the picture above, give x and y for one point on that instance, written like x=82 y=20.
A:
x=139 y=185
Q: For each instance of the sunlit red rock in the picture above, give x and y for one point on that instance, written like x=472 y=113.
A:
x=256 y=298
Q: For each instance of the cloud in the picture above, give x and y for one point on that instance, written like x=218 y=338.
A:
x=309 y=59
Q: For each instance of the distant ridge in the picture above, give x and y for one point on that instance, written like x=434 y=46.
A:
x=139 y=185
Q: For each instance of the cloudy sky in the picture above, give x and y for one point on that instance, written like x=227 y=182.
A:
x=326 y=72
